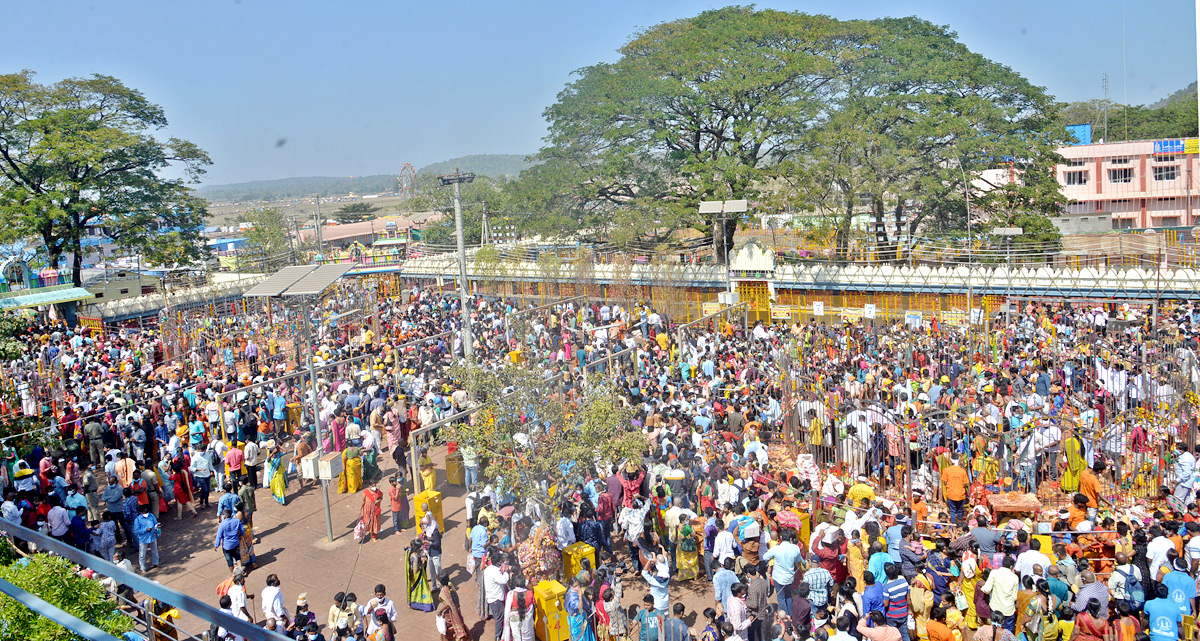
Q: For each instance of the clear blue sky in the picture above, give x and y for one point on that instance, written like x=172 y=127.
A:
x=361 y=86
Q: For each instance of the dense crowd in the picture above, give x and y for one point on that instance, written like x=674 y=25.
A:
x=818 y=480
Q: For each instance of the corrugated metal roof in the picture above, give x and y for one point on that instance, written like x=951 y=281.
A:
x=318 y=280
x=277 y=283
x=46 y=296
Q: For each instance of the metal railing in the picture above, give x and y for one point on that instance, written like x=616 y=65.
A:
x=146 y=586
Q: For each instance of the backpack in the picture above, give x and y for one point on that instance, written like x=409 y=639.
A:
x=1135 y=594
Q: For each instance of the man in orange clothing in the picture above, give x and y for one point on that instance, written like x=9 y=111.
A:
x=954 y=488
x=1089 y=486
x=124 y=470
x=936 y=629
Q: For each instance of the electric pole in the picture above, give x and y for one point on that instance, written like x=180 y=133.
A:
x=456 y=179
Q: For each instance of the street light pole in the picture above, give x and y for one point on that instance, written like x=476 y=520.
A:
x=456 y=179
x=316 y=409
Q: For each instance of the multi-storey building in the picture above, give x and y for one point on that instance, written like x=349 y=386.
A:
x=1142 y=183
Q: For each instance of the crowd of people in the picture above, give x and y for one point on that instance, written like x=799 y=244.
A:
x=826 y=480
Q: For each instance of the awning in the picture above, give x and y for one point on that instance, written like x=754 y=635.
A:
x=45 y=296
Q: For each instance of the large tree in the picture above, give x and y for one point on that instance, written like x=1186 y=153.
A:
x=696 y=109
x=83 y=152
x=355 y=212
x=790 y=110
x=919 y=113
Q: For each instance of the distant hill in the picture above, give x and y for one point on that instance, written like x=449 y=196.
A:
x=285 y=188
x=492 y=165
x=1187 y=93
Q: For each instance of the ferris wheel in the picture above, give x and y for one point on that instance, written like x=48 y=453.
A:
x=406 y=182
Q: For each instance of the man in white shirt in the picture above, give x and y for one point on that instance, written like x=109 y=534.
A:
x=250 y=464
x=272 y=602
x=565 y=529
x=226 y=604
x=379 y=602
x=238 y=598
x=1157 y=550
x=58 y=519
x=495 y=587
x=1031 y=557
x=723 y=545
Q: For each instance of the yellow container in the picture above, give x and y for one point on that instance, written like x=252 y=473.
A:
x=575 y=553
x=293 y=417
x=433 y=499
x=456 y=474
x=550 y=613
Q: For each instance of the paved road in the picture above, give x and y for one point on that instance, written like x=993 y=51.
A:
x=292 y=544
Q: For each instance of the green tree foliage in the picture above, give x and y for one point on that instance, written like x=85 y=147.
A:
x=355 y=212
x=52 y=578
x=483 y=192
x=270 y=232
x=919 y=113
x=526 y=433
x=739 y=103
x=83 y=152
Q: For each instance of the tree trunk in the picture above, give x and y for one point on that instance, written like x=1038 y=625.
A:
x=77 y=262
x=843 y=229
x=724 y=231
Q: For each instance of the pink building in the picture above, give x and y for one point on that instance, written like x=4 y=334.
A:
x=1128 y=180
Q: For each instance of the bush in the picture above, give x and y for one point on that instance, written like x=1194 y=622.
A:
x=53 y=579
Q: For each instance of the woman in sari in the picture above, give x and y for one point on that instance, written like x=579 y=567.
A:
x=370 y=458
x=518 y=612
x=577 y=616
x=339 y=432
x=246 y=545
x=1076 y=461
x=451 y=611
x=428 y=474
x=1089 y=625
x=372 y=511
x=600 y=618
x=276 y=473
x=351 y=478
x=686 y=552
x=416 y=575
x=1029 y=611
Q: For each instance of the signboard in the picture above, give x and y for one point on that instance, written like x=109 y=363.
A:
x=954 y=317
x=851 y=314
x=1191 y=146
x=708 y=309
x=869 y=310
x=1169 y=147
x=781 y=312
x=1081 y=133
x=818 y=308
x=95 y=323
x=976 y=316
x=912 y=319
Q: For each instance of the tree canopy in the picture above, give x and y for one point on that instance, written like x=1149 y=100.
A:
x=355 y=212
x=53 y=579
x=528 y=434
x=81 y=153
x=270 y=232
x=790 y=109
